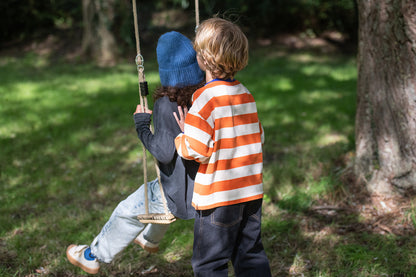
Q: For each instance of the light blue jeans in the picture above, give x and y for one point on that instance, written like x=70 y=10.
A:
x=123 y=226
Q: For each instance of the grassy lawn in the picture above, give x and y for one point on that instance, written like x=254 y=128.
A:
x=69 y=153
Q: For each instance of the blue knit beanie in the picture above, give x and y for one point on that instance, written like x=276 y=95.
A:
x=176 y=57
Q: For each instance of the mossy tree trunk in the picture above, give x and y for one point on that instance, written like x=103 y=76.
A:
x=98 y=40
x=386 y=91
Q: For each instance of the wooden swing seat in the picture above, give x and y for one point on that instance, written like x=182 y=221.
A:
x=156 y=218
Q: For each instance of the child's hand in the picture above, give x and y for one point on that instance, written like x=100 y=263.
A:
x=140 y=110
x=182 y=115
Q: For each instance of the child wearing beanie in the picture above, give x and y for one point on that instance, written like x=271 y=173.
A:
x=180 y=76
x=223 y=133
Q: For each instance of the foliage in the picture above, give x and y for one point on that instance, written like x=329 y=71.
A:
x=274 y=16
x=21 y=20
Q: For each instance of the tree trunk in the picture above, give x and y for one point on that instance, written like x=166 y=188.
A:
x=98 y=41
x=386 y=96
x=87 y=20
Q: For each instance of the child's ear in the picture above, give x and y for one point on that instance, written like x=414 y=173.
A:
x=201 y=62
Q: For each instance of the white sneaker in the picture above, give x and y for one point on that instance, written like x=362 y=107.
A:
x=75 y=254
x=145 y=244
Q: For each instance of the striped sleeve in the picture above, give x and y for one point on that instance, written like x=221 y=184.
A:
x=196 y=143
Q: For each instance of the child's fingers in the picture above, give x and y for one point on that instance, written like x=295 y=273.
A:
x=185 y=111
x=181 y=119
x=176 y=117
x=138 y=109
x=180 y=112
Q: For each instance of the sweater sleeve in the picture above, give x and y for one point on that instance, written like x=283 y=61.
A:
x=196 y=142
x=161 y=143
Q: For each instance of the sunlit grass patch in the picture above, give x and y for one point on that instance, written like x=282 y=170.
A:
x=70 y=154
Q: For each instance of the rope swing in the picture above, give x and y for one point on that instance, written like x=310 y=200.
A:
x=167 y=217
x=196 y=14
x=157 y=218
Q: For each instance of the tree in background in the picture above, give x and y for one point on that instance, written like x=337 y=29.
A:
x=98 y=41
x=386 y=104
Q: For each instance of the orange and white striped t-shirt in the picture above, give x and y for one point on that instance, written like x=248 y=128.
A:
x=223 y=133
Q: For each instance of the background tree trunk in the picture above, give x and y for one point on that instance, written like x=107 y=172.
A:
x=98 y=41
x=386 y=96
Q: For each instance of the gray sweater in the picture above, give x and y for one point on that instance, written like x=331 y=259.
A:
x=177 y=174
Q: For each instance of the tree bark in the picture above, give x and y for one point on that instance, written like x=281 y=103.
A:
x=98 y=40
x=87 y=19
x=386 y=96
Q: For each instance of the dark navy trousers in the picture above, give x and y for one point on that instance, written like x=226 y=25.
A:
x=230 y=233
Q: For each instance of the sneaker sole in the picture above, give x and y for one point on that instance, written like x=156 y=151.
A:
x=148 y=249
x=78 y=264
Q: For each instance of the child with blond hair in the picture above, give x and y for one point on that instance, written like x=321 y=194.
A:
x=223 y=133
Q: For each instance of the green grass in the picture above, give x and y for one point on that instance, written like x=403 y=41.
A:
x=69 y=153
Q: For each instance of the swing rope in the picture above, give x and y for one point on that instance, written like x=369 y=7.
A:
x=196 y=14
x=167 y=217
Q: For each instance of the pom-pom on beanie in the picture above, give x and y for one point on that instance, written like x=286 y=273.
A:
x=178 y=66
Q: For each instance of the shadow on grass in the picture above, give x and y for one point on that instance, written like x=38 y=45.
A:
x=70 y=154
x=309 y=246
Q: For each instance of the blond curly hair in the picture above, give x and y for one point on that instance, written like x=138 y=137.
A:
x=222 y=47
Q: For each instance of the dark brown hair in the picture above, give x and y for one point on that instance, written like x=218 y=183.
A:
x=183 y=96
